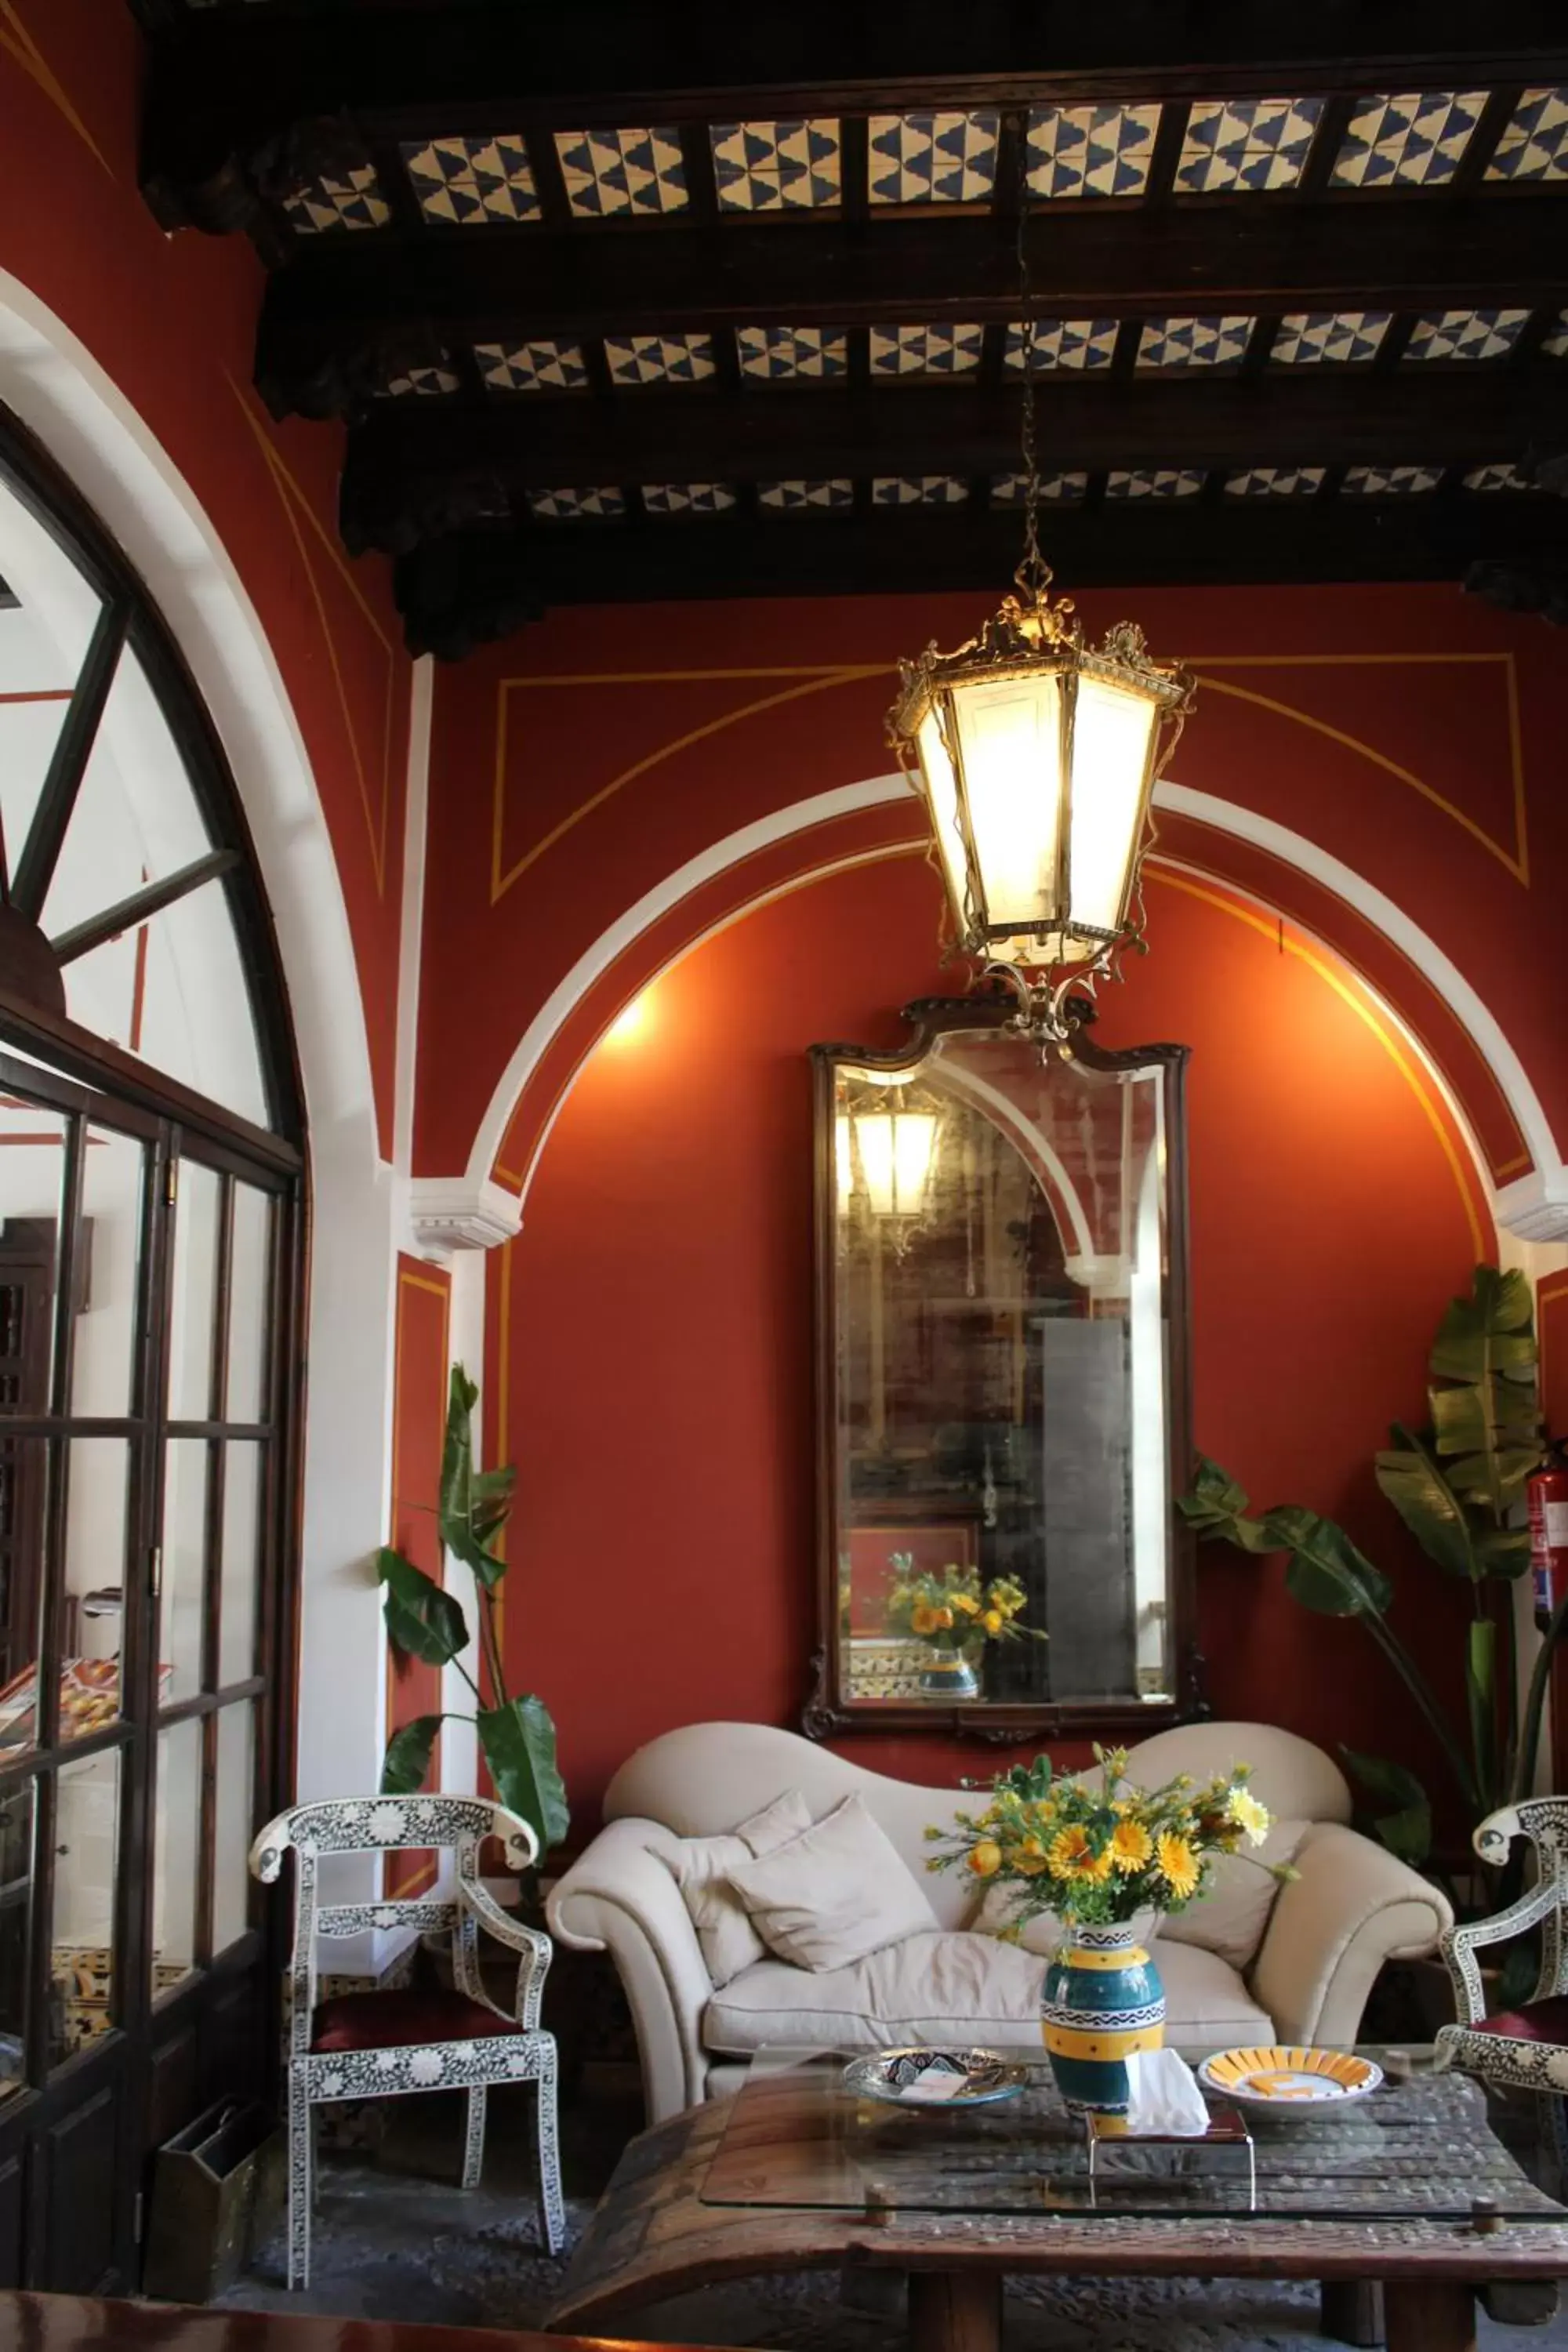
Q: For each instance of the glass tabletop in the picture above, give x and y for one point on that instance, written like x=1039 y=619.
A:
x=1419 y=2147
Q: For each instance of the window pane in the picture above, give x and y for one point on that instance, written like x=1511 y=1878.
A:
x=235 y=1779
x=244 y=1467
x=86 y=1836
x=43 y=643
x=182 y=1610
x=176 y=1852
x=173 y=988
x=99 y=1471
x=194 y=1293
x=105 y=1280
x=32 y=1165
x=24 y=1483
x=15 y=1910
x=250 y=1267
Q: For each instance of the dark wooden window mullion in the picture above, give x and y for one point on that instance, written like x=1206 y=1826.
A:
x=82 y=937
x=212 y=1563
x=47 y=1711
x=67 y=765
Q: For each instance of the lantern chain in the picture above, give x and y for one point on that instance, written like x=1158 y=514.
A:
x=1034 y=574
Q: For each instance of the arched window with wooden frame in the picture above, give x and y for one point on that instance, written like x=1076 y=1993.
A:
x=151 y=1143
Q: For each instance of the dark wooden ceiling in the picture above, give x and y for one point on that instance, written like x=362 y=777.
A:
x=622 y=301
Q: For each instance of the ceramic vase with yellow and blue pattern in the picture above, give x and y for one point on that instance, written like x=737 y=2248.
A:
x=1102 y=2001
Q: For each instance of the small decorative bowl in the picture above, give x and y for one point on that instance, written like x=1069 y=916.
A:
x=1280 y=2081
x=983 y=2077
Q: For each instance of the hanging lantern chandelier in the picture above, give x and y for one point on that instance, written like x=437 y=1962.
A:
x=1037 y=756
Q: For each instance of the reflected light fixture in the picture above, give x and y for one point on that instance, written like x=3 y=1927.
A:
x=1037 y=756
x=893 y=1152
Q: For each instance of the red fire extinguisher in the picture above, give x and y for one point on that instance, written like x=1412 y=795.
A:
x=1547 y=1490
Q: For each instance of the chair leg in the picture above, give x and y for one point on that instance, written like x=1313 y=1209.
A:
x=474 y=2139
x=551 y=2205
x=302 y=2180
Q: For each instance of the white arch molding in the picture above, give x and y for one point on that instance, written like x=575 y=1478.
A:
x=1535 y=1208
x=51 y=382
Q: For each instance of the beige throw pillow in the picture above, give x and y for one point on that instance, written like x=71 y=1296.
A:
x=1045 y=1931
x=832 y=1896
x=1231 y=1917
x=729 y=1942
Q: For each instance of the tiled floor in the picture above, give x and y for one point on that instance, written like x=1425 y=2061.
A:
x=396 y=2239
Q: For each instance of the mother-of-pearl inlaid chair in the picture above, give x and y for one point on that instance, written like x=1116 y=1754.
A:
x=371 y=2045
x=1524 y=2049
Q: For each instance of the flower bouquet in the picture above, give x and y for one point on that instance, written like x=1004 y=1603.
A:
x=955 y=1614
x=1098 y=1852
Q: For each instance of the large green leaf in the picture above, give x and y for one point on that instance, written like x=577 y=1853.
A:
x=519 y=1741
x=1505 y=1551
x=422 y=1619
x=1428 y=1504
x=1217 y=1508
x=474 y=1504
x=1406 y=1826
x=1480 y=1691
x=1486 y=1423
x=1326 y=1571
x=407 y=1758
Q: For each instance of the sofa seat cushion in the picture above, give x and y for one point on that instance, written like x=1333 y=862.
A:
x=951 y=1985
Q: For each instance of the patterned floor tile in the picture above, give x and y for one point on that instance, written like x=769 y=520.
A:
x=1062 y=344
x=1412 y=139
x=659 y=359
x=602 y=503
x=623 y=171
x=532 y=367
x=1007 y=489
x=351 y=200
x=918 y=490
x=1275 y=482
x=926 y=350
x=1390 y=481
x=798 y=496
x=1153 y=482
x=687 y=497
x=761 y=167
x=464 y=181
x=1245 y=145
x=778 y=355
x=946 y=158
x=1305 y=338
x=1090 y=151
x=1193 y=343
x=1535 y=144
x=1465 y=334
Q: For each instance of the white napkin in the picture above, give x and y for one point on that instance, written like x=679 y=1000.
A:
x=933 y=2084
x=1164 y=2095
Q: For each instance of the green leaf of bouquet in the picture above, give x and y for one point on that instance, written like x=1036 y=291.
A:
x=519 y=1741
x=407 y=1758
x=422 y=1619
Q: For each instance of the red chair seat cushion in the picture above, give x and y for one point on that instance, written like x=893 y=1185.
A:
x=1538 y=2021
x=393 y=2021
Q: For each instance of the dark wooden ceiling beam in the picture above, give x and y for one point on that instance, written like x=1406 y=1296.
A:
x=331 y=318
x=477 y=584
x=417 y=468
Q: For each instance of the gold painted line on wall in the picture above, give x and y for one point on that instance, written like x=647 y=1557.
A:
x=15 y=40
x=1278 y=937
x=442 y=1290
x=815 y=681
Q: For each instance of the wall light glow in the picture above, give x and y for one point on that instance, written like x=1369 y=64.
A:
x=632 y=1022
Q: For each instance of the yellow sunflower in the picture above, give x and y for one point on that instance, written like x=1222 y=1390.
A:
x=922 y=1618
x=967 y=1602
x=1179 y=1865
x=1071 y=1855
x=992 y=1621
x=1248 y=1815
x=1130 y=1846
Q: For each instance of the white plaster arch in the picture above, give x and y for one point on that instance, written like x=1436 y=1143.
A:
x=1535 y=1208
x=52 y=382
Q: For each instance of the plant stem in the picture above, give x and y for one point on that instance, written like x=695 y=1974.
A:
x=1421 y=1691
x=468 y=1679
x=1535 y=1703
x=491 y=1646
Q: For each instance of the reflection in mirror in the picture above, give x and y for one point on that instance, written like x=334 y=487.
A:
x=998 y=1378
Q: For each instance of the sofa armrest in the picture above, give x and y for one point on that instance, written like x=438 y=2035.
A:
x=621 y=1897
x=1353 y=1907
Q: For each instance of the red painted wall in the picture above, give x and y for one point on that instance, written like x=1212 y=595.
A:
x=651 y=1326
x=173 y=320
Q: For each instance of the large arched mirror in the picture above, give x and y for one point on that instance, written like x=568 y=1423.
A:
x=1002 y=1382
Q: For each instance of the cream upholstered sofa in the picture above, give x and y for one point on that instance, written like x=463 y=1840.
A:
x=1297 y=1963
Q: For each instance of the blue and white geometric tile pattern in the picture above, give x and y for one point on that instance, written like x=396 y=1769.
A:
x=418 y=381
x=1275 y=482
x=1535 y=144
x=463 y=179
x=1556 y=343
x=687 y=497
x=1408 y=139
x=1154 y=482
x=1496 y=477
x=796 y=496
x=1062 y=344
x=917 y=490
x=1007 y=489
x=946 y=158
x=762 y=167
x=1090 y=151
x=1385 y=481
x=602 y=503
x=1306 y=337
x=659 y=359
x=532 y=367
x=622 y=171
x=926 y=350
x=1465 y=334
x=775 y=354
x=1193 y=343
x=345 y=200
x=1245 y=143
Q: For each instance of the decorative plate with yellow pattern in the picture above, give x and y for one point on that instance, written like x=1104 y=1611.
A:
x=1289 y=2082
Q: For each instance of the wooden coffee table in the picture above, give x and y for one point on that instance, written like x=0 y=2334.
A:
x=1409 y=2188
